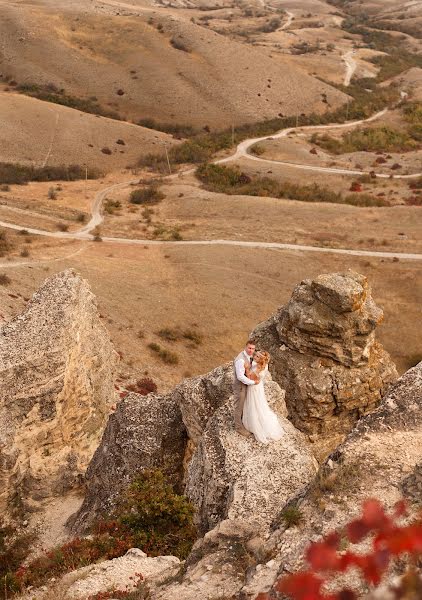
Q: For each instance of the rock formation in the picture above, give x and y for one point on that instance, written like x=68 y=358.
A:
x=324 y=354
x=56 y=386
x=230 y=476
x=145 y=432
x=380 y=458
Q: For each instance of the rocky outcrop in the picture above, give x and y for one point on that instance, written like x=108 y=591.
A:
x=217 y=564
x=233 y=477
x=324 y=354
x=56 y=387
x=145 y=432
x=380 y=458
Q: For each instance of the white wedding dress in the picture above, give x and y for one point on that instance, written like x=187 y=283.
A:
x=258 y=418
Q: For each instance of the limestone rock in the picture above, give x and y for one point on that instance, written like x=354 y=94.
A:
x=324 y=354
x=119 y=573
x=216 y=567
x=56 y=387
x=233 y=477
x=380 y=458
x=144 y=432
x=199 y=397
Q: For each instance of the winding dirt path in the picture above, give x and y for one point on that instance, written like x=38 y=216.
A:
x=241 y=152
x=351 y=66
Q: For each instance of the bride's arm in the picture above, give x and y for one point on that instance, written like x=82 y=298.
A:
x=250 y=374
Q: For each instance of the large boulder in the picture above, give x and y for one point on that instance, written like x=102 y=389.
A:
x=57 y=369
x=145 y=432
x=324 y=354
x=233 y=477
x=199 y=397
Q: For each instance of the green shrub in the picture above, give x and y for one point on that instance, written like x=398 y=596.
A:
x=176 y=129
x=21 y=174
x=384 y=139
x=50 y=93
x=166 y=356
x=5 y=245
x=150 y=516
x=4 y=279
x=292 y=516
x=52 y=194
x=147 y=195
x=230 y=180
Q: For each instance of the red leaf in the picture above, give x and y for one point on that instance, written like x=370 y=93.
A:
x=301 y=586
x=357 y=530
x=323 y=555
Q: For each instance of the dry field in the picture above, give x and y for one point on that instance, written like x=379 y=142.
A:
x=221 y=293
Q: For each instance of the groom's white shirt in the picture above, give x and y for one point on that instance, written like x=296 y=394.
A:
x=239 y=365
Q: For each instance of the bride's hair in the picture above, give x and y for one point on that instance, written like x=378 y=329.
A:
x=262 y=359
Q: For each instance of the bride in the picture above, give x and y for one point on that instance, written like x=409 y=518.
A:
x=258 y=418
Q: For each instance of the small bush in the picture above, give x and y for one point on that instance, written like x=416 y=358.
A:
x=166 y=356
x=106 y=150
x=80 y=218
x=292 y=516
x=4 y=187
x=52 y=194
x=4 y=279
x=62 y=226
x=25 y=252
x=143 y=386
x=5 y=245
x=168 y=334
x=146 y=195
x=110 y=206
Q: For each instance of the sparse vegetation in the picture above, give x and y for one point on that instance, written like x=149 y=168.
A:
x=21 y=174
x=149 y=515
x=166 y=356
x=4 y=279
x=170 y=334
x=146 y=195
x=142 y=386
x=50 y=93
x=176 y=129
x=230 y=180
x=384 y=139
x=111 y=206
x=292 y=516
x=5 y=245
x=52 y=194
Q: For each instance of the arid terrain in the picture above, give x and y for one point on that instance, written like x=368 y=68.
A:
x=93 y=83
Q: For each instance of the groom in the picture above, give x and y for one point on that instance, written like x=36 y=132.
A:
x=240 y=383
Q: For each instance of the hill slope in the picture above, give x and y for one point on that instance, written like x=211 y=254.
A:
x=131 y=65
x=42 y=133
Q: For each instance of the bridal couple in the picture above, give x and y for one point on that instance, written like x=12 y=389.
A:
x=252 y=414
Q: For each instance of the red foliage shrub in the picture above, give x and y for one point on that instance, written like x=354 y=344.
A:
x=143 y=386
x=389 y=541
x=356 y=186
